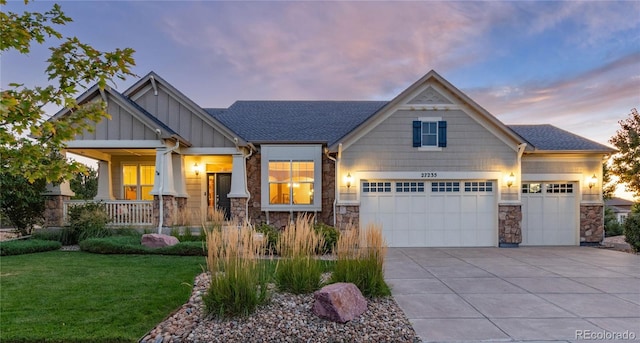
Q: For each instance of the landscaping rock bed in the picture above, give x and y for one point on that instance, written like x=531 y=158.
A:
x=287 y=318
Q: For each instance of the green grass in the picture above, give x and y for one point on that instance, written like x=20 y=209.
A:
x=80 y=297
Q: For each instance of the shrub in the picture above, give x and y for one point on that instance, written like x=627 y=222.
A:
x=185 y=235
x=131 y=245
x=298 y=271
x=47 y=235
x=88 y=220
x=238 y=281
x=611 y=225
x=272 y=234
x=27 y=246
x=21 y=201
x=360 y=260
x=632 y=230
x=330 y=235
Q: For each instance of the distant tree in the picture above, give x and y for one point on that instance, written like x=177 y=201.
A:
x=27 y=138
x=85 y=185
x=21 y=201
x=608 y=185
x=626 y=163
x=611 y=225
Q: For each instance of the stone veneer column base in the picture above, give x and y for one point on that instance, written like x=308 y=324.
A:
x=54 y=210
x=169 y=210
x=347 y=215
x=239 y=209
x=591 y=224
x=509 y=226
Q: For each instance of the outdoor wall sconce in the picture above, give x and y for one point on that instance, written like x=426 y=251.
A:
x=510 y=180
x=592 y=181
x=348 y=180
x=196 y=169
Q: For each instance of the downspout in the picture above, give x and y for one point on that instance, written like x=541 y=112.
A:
x=521 y=148
x=161 y=188
x=246 y=178
x=336 y=186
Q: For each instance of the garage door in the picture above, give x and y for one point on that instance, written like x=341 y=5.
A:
x=549 y=213
x=431 y=213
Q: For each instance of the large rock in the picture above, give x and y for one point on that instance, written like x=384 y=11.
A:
x=339 y=302
x=156 y=240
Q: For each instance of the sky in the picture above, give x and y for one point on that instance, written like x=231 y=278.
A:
x=572 y=64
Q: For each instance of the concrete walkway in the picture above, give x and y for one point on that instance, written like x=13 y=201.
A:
x=563 y=294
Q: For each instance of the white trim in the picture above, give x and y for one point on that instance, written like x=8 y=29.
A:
x=116 y=144
x=208 y=151
x=573 y=177
x=427 y=175
x=436 y=107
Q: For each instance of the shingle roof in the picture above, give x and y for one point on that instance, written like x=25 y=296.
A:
x=295 y=121
x=550 y=138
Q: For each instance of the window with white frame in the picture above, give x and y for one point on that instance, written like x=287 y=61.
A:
x=430 y=133
x=137 y=181
x=291 y=177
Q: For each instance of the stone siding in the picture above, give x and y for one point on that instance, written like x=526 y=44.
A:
x=591 y=223
x=509 y=224
x=347 y=215
x=238 y=209
x=281 y=219
x=54 y=210
x=170 y=211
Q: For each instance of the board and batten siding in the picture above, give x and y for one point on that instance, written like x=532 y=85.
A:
x=122 y=126
x=388 y=147
x=181 y=119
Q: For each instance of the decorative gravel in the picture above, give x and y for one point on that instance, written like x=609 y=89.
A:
x=287 y=318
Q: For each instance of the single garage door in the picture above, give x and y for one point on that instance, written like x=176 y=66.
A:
x=431 y=213
x=549 y=213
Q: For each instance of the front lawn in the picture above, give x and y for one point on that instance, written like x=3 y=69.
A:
x=80 y=297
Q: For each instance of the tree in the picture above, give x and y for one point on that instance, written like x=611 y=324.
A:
x=626 y=163
x=22 y=201
x=608 y=186
x=85 y=185
x=29 y=142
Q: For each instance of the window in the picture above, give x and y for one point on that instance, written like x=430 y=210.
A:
x=291 y=182
x=430 y=133
x=478 y=186
x=291 y=177
x=449 y=186
x=559 y=188
x=531 y=188
x=409 y=187
x=376 y=187
x=137 y=181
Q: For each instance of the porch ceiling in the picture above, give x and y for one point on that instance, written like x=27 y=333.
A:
x=97 y=153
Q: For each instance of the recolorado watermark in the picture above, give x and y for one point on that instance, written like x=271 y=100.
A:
x=591 y=335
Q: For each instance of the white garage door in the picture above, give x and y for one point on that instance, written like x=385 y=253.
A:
x=549 y=214
x=431 y=213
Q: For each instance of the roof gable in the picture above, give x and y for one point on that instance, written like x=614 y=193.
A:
x=295 y=121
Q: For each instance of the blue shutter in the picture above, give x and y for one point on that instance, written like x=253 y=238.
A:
x=442 y=134
x=417 y=133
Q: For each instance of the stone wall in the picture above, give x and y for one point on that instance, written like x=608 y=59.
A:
x=591 y=223
x=170 y=212
x=281 y=219
x=54 y=210
x=509 y=225
x=347 y=215
x=238 y=209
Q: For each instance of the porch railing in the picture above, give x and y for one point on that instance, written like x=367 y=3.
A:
x=121 y=212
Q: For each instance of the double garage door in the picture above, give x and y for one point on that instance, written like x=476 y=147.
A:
x=432 y=213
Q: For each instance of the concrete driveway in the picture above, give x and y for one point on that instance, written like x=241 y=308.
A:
x=565 y=294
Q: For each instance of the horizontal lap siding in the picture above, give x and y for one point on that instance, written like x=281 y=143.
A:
x=388 y=147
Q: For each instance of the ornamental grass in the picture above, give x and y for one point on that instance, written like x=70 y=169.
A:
x=238 y=281
x=299 y=271
x=360 y=260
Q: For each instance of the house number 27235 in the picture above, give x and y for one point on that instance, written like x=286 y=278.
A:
x=429 y=175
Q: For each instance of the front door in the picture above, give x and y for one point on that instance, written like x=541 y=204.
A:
x=218 y=186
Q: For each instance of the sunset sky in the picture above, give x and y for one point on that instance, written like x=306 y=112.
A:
x=573 y=64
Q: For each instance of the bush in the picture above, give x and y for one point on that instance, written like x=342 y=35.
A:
x=21 y=201
x=47 y=235
x=186 y=235
x=362 y=263
x=27 y=246
x=330 y=235
x=131 y=245
x=238 y=280
x=272 y=234
x=611 y=225
x=632 y=230
x=88 y=220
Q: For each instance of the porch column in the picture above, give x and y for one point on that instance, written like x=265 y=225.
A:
x=179 y=180
x=164 y=202
x=238 y=194
x=105 y=186
x=55 y=196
